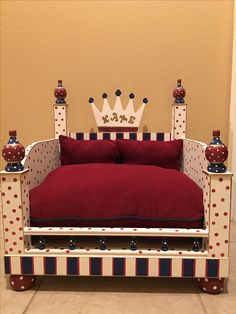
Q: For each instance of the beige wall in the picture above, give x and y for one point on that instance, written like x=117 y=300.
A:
x=97 y=46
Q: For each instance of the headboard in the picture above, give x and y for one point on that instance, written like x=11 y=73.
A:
x=121 y=122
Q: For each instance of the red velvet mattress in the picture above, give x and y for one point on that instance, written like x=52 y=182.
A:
x=119 y=195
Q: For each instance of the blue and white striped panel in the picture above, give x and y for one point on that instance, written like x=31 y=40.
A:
x=116 y=266
x=122 y=135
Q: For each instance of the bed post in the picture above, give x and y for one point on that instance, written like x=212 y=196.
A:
x=60 y=110
x=179 y=110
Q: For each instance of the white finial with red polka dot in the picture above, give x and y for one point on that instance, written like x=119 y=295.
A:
x=60 y=110
x=179 y=110
x=13 y=153
x=216 y=153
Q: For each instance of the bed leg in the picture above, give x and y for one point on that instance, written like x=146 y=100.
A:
x=21 y=282
x=211 y=285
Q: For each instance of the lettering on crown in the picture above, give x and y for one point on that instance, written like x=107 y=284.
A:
x=114 y=117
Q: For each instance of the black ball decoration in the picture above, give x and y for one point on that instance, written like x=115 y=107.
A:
x=145 y=100
x=91 y=100
x=131 y=96
x=104 y=95
x=118 y=92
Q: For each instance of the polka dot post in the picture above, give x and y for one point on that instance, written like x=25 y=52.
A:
x=179 y=121
x=60 y=119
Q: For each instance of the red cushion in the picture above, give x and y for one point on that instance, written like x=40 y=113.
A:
x=163 y=154
x=116 y=195
x=81 y=152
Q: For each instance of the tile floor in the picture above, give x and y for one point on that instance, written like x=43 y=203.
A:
x=89 y=295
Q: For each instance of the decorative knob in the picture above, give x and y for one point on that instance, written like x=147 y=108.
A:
x=179 y=93
x=13 y=152
x=216 y=153
x=60 y=93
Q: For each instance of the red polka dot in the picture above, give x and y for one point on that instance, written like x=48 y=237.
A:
x=20 y=228
x=214 y=205
x=14 y=243
x=225 y=214
x=15 y=195
x=213 y=255
x=13 y=233
x=6 y=229
x=222 y=199
x=4 y=216
x=227 y=187
x=222 y=254
x=218 y=243
x=15 y=179
x=14 y=210
x=6 y=240
x=8 y=202
x=19 y=251
x=226 y=241
x=216 y=214
x=213 y=190
x=220 y=179
x=210 y=247
x=17 y=219
x=9 y=187
x=11 y=222
x=3 y=179
x=213 y=222
x=216 y=234
x=3 y=194
x=225 y=227
x=20 y=238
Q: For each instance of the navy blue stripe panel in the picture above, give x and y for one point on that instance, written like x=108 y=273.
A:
x=96 y=266
x=165 y=267
x=93 y=136
x=146 y=136
x=50 y=265
x=72 y=266
x=7 y=265
x=119 y=136
x=106 y=136
x=141 y=267
x=27 y=265
x=188 y=267
x=160 y=136
x=133 y=136
x=212 y=268
x=79 y=136
x=118 y=266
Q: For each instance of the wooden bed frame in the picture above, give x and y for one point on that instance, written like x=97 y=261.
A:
x=24 y=260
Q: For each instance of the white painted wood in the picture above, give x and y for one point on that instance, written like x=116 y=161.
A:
x=93 y=231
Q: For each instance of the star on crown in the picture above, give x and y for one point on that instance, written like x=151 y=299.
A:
x=118 y=119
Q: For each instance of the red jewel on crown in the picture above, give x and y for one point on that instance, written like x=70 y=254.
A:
x=13 y=152
x=60 y=93
x=179 y=93
x=216 y=153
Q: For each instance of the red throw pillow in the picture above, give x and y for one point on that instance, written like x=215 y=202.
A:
x=85 y=152
x=163 y=154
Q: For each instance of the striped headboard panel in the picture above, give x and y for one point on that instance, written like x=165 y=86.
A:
x=122 y=135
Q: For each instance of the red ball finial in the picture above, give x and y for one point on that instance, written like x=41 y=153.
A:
x=216 y=133
x=12 y=133
x=179 y=81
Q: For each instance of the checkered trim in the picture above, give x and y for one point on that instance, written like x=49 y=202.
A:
x=122 y=135
x=116 y=266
